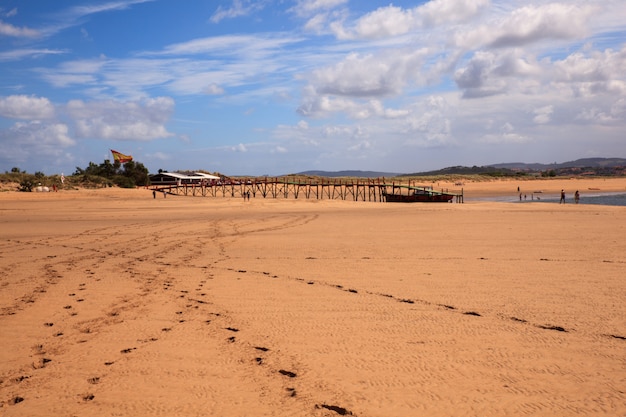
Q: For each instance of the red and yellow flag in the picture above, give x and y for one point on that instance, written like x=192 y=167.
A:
x=121 y=157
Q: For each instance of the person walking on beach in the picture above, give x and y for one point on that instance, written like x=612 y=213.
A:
x=576 y=197
x=562 y=200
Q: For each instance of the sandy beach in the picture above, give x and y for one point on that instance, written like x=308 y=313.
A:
x=113 y=303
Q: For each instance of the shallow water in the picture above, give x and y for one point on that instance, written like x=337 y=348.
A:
x=607 y=199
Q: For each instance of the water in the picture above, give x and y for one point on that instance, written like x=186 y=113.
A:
x=606 y=199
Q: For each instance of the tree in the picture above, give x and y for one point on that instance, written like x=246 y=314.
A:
x=128 y=175
x=137 y=172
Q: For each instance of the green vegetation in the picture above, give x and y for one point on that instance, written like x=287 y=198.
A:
x=129 y=175
x=25 y=180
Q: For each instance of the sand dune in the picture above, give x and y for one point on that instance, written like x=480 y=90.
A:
x=113 y=303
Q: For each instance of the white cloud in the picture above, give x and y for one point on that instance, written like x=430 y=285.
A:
x=507 y=135
x=213 y=89
x=239 y=148
x=11 y=13
x=393 y=21
x=114 y=120
x=279 y=149
x=7 y=29
x=42 y=134
x=428 y=124
x=68 y=18
x=528 y=25
x=593 y=73
x=543 y=114
x=496 y=72
x=239 y=8
x=35 y=140
x=306 y=8
x=160 y=156
x=438 y=12
x=26 y=107
x=368 y=75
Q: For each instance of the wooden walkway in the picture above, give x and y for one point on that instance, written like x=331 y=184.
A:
x=332 y=189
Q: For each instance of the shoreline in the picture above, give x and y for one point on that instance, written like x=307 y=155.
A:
x=479 y=190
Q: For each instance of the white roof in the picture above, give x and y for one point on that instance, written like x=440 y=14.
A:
x=207 y=176
x=194 y=176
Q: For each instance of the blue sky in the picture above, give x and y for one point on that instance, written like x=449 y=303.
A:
x=272 y=87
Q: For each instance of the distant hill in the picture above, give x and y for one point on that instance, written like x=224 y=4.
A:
x=579 y=163
x=353 y=174
x=600 y=165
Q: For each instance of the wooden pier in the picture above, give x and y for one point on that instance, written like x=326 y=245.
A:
x=373 y=190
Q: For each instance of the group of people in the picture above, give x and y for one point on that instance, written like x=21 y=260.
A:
x=561 y=201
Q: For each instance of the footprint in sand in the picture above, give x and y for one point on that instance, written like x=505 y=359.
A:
x=16 y=400
x=287 y=373
x=339 y=410
x=41 y=363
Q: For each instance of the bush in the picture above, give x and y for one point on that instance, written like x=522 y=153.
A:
x=124 y=182
x=27 y=185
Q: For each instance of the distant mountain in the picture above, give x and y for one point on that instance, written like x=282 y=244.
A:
x=353 y=174
x=509 y=168
x=579 y=163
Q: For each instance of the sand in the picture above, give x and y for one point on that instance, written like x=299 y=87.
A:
x=113 y=303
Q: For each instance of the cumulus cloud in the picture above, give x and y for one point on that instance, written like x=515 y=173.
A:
x=528 y=25
x=495 y=72
x=429 y=124
x=507 y=134
x=114 y=120
x=368 y=75
x=37 y=133
x=593 y=73
x=393 y=20
x=34 y=139
x=26 y=107
x=318 y=106
x=597 y=113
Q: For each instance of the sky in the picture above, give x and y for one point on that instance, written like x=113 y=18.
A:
x=273 y=87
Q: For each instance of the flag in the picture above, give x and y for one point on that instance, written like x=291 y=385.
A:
x=121 y=157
